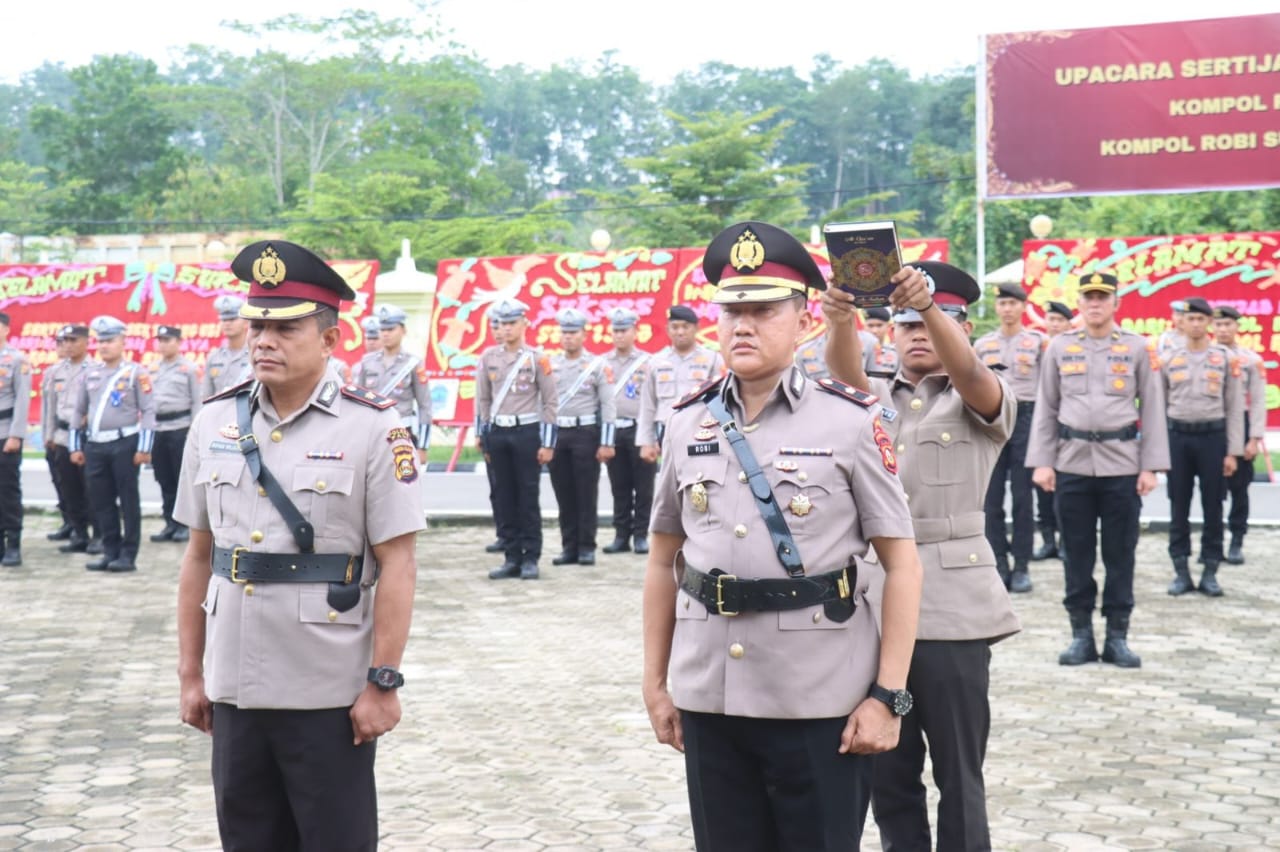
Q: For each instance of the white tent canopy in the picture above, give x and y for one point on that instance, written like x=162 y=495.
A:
x=1010 y=273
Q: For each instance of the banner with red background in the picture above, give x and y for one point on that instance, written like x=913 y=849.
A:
x=40 y=299
x=647 y=281
x=1240 y=270
x=1159 y=107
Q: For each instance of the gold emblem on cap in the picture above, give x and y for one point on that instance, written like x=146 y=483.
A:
x=800 y=505
x=268 y=270
x=698 y=497
x=747 y=252
x=1096 y=279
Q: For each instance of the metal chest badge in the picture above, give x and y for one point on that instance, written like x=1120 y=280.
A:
x=800 y=505
x=698 y=497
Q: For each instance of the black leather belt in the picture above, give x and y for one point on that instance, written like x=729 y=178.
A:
x=172 y=415
x=1128 y=433
x=241 y=565
x=725 y=594
x=1026 y=405
x=61 y=424
x=1193 y=427
x=7 y=414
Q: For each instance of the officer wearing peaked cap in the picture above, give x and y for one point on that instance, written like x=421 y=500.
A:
x=497 y=545
x=15 y=400
x=396 y=374
x=1205 y=414
x=228 y=365
x=1174 y=335
x=880 y=358
x=1088 y=448
x=1253 y=381
x=113 y=431
x=948 y=417
x=53 y=382
x=1017 y=350
x=771 y=486
x=70 y=479
x=304 y=502
x=1057 y=319
x=630 y=476
x=516 y=416
x=175 y=383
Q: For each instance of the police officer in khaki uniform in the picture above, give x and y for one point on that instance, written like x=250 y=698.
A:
x=49 y=378
x=59 y=407
x=372 y=328
x=811 y=356
x=948 y=416
x=1097 y=440
x=114 y=421
x=1174 y=335
x=771 y=486
x=1205 y=414
x=15 y=401
x=175 y=383
x=228 y=365
x=1017 y=351
x=394 y=373
x=585 y=416
x=880 y=358
x=1253 y=378
x=516 y=412
x=673 y=372
x=1057 y=319
x=300 y=495
x=630 y=476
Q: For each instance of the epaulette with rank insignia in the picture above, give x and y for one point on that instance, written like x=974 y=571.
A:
x=364 y=396
x=231 y=391
x=699 y=394
x=849 y=392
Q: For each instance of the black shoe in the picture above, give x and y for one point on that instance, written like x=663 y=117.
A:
x=78 y=543
x=1048 y=550
x=1116 y=648
x=1235 y=553
x=61 y=534
x=182 y=533
x=1208 y=580
x=566 y=557
x=586 y=557
x=496 y=546
x=165 y=534
x=1020 y=582
x=642 y=544
x=98 y=564
x=1082 y=648
x=1182 y=582
x=12 y=552
x=508 y=570
x=618 y=545
x=529 y=570
x=121 y=565
x=95 y=547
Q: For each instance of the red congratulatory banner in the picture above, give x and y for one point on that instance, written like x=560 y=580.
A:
x=1241 y=270
x=1161 y=107
x=40 y=299
x=647 y=281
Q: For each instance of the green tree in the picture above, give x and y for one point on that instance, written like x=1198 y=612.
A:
x=27 y=197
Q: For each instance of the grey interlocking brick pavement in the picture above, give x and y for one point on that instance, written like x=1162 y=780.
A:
x=524 y=730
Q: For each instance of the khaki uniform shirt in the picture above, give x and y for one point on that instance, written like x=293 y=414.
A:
x=1099 y=385
x=593 y=397
x=531 y=396
x=1200 y=386
x=670 y=378
x=350 y=470
x=811 y=357
x=225 y=368
x=52 y=383
x=114 y=402
x=64 y=399
x=403 y=379
x=1168 y=339
x=626 y=378
x=1253 y=378
x=883 y=358
x=945 y=453
x=810 y=444
x=15 y=393
x=1021 y=354
x=176 y=388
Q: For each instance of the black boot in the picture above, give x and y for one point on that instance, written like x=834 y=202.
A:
x=1082 y=648
x=1002 y=568
x=529 y=569
x=1208 y=580
x=495 y=546
x=1182 y=582
x=586 y=557
x=182 y=533
x=506 y=571
x=1020 y=579
x=165 y=534
x=12 y=549
x=1116 y=649
x=620 y=544
x=95 y=546
x=566 y=557
x=642 y=544
x=62 y=533
x=1048 y=550
x=1235 y=553
x=78 y=543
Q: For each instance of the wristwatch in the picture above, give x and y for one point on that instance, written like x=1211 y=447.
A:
x=899 y=700
x=386 y=678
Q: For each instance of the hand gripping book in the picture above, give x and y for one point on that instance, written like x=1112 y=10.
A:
x=864 y=256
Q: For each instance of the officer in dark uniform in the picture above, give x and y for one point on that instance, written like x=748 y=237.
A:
x=1253 y=376
x=15 y=400
x=175 y=384
x=1205 y=413
x=1057 y=319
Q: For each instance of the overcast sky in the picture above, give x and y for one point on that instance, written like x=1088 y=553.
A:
x=660 y=38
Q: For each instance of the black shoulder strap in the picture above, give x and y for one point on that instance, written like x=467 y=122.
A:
x=784 y=543
x=303 y=533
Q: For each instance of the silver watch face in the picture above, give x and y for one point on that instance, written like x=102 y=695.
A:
x=386 y=678
x=902 y=702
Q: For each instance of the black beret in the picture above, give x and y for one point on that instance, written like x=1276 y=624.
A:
x=1011 y=291
x=1226 y=312
x=287 y=281
x=72 y=330
x=881 y=314
x=681 y=313
x=1198 y=306
x=1059 y=309
x=168 y=331
x=759 y=262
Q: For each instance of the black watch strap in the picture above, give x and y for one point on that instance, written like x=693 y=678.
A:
x=899 y=701
x=385 y=678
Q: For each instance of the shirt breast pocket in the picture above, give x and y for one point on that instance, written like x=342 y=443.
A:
x=665 y=383
x=1075 y=383
x=1211 y=382
x=702 y=493
x=319 y=490
x=942 y=453
x=314 y=608
x=806 y=495
x=221 y=480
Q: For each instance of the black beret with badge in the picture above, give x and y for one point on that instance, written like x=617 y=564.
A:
x=1059 y=308
x=759 y=262
x=1198 y=306
x=1011 y=291
x=881 y=314
x=287 y=281
x=954 y=290
x=169 y=331
x=681 y=313
x=1226 y=312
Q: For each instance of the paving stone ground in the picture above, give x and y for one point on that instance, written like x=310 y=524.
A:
x=524 y=729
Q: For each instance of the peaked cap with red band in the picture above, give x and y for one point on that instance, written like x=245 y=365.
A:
x=287 y=281
x=757 y=262
x=954 y=290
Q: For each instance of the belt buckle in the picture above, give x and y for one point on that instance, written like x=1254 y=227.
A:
x=1095 y=435
x=351 y=567
x=720 y=610
x=235 y=562
x=842 y=584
